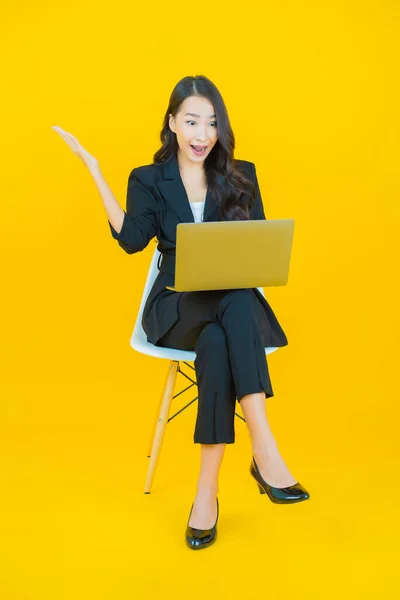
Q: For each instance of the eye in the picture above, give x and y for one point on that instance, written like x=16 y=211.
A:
x=194 y=122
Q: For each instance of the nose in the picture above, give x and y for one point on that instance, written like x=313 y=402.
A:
x=201 y=135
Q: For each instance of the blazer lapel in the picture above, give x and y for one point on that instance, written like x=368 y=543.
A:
x=173 y=190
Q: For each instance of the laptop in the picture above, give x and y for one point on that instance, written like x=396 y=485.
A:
x=219 y=255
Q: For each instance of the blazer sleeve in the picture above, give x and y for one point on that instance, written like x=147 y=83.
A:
x=141 y=217
x=257 y=210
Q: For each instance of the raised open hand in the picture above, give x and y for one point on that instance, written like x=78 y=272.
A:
x=77 y=148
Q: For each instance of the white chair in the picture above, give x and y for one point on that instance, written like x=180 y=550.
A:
x=139 y=342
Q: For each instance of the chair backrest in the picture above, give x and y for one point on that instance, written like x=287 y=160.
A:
x=138 y=332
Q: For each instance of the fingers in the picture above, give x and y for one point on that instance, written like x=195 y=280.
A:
x=68 y=137
x=65 y=134
x=76 y=147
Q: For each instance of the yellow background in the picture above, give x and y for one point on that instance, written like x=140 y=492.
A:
x=313 y=97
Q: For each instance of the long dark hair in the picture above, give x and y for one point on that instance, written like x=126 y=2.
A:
x=232 y=198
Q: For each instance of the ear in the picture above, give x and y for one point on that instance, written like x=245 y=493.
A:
x=172 y=123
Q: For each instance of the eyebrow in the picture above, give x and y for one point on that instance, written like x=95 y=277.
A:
x=194 y=115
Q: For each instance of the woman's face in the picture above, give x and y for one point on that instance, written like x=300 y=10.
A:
x=195 y=125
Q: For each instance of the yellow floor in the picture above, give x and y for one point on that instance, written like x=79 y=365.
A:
x=76 y=523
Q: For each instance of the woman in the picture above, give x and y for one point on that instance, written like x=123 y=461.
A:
x=195 y=177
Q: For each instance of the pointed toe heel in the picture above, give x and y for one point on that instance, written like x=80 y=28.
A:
x=196 y=539
x=286 y=495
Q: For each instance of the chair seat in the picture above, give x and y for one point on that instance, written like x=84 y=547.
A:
x=145 y=347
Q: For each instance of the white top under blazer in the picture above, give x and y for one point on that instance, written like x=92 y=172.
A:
x=198 y=210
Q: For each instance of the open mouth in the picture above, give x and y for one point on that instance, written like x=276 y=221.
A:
x=198 y=150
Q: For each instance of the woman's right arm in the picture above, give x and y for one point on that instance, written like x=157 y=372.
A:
x=135 y=227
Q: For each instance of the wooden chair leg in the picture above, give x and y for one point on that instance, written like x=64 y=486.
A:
x=163 y=415
x=156 y=417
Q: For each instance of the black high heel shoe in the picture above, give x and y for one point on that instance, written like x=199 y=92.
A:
x=201 y=538
x=286 y=495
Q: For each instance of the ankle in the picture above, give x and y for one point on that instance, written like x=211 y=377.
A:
x=266 y=451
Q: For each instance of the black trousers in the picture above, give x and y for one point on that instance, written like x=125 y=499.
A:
x=228 y=331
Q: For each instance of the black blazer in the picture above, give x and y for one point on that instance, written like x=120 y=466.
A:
x=156 y=203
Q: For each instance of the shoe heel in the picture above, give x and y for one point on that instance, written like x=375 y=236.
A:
x=260 y=487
